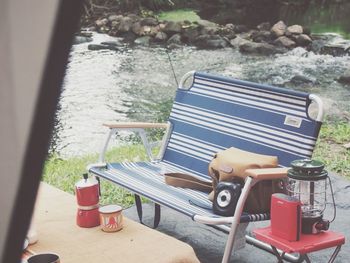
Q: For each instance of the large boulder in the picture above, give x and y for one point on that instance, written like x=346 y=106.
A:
x=161 y=37
x=81 y=39
x=240 y=28
x=258 y=48
x=210 y=42
x=303 y=40
x=125 y=24
x=190 y=34
x=172 y=27
x=115 y=18
x=175 y=39
x=238 y=41
x=294 y=30
x=143 y=41
x=279 y=29
x=261 y=36
x=284 y=41
x=149 y=21
x=101 y=22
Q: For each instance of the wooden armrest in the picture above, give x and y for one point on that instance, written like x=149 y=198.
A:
x=143 y=125
x=267 y=173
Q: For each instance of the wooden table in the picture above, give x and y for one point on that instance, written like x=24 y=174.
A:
x=54 y=220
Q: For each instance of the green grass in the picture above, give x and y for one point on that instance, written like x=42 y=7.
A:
x=179 y=15
x=63 y=174
x=330 y=150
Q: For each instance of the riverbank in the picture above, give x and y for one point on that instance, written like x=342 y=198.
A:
x=64 y=173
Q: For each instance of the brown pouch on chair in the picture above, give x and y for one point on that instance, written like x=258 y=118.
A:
x=230 y=165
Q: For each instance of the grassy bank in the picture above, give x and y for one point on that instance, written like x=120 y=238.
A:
x=64 y=173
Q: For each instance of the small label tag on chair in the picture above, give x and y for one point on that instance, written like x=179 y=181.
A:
x=225 y=168
x=292 y=121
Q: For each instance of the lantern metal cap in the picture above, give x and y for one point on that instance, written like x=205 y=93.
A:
x=308 y=170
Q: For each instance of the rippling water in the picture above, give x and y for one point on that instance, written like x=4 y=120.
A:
x=137 y=84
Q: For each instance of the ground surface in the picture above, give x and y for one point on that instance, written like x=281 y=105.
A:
x=209 y=243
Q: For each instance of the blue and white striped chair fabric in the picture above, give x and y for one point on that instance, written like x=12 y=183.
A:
x=216 y=113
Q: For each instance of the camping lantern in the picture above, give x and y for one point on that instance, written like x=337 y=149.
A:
x=308 y=183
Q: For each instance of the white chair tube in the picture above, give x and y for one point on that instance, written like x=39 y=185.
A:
x=249 y=182
x=319 y=103
x=184 y=78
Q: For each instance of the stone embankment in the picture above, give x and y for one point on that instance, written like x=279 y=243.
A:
x=265 y=39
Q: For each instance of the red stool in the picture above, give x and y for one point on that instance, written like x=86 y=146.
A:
x=306 y=244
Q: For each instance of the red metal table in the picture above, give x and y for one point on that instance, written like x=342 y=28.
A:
x=306 y=244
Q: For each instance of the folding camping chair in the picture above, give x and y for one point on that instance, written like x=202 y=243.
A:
x=213 y=114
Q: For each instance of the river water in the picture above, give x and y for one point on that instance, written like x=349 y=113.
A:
x=137 y=83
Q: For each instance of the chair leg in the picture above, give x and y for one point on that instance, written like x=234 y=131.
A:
x=139 y=211
x=236 y=219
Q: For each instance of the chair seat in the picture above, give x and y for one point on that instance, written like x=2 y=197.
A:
x=146 y=179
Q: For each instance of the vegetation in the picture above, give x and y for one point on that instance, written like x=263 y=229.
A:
x=179 y=15
x=64 y=173
x=330 y=146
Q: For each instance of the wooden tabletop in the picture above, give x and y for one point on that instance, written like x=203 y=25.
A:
x=54 y=220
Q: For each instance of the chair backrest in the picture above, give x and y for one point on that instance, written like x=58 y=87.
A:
x=216 y=113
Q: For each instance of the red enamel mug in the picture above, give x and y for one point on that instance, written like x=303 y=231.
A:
x=87 y=192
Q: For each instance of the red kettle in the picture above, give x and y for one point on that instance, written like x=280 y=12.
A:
x=87 y=193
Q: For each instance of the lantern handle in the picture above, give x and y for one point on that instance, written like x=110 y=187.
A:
x=334 y=206
x=319 y=102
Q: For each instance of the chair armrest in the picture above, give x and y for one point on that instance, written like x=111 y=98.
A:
x=133 y=125
x=267 y=173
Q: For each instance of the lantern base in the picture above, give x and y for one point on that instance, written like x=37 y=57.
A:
x=308 y=224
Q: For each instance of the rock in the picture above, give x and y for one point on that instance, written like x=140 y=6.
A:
x=306 y=31
x=240 y=28
x=161 y=37
x=103 y=29
x=345 y=78
x=134 y=18
x=300 y=79
x=266 y=26
x=149 y=21
x=278 y=29
x=115 y=24
x=336 y=48
x=172 y=27
x=175 y=39
x=81 y=39
x=210 y=42
x=126 y=24
x=303 y=40
x=206 y=23
x=261 y=36
x=230 y=27
x=143 y=41
x=284 y=41
x=346 y=146
x=101 y=22
x=112 y=18
x=137 y=28
x=294 y=30
x=85 y=33
x=212 y=30
x=190 y=34
x=238 y=41
x=101 y=47
x=258 y=48
x=112 y=43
